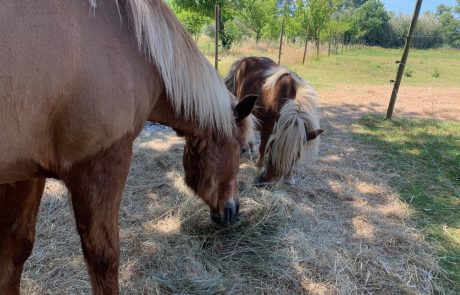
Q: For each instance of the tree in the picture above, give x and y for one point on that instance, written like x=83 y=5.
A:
x=193 y=22
x=207 y=8
x=297 y=21
x=319 y=14
x=450 y=25
x=370 y=21
x=347 y=4
x=256 y=14
x=336 y=32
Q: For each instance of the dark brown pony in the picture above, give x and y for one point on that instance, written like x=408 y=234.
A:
x=287 y=112
x=78 y=79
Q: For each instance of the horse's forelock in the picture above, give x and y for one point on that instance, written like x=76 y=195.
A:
x=298 y=116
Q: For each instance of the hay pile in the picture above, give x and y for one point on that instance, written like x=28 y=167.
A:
x=340 y=230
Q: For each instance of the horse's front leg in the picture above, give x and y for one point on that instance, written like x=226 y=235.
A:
x=96 y=185
x=19 y=203
x=264 y=136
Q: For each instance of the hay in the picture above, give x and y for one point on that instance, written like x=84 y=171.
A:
x=340 y=230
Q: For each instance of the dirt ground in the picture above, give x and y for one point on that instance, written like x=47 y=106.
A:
x=412 y=102
x=340 y=230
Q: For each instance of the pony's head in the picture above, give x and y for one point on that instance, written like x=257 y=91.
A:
x=286 y=146
x=295 y=132
x=211 y=164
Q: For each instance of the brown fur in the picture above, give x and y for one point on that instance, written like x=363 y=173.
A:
x=75 y=91
x=19 y=204
x=277 y=89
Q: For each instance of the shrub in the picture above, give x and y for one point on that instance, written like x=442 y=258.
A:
x=408 y=72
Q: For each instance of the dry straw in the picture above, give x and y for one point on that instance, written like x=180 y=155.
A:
x=341 y=230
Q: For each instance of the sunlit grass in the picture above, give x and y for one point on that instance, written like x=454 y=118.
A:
x=370 y=66
x=424 y=158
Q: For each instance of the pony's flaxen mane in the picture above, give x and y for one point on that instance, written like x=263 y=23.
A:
x=229 y=80
x=288 y=142
x=192 y=84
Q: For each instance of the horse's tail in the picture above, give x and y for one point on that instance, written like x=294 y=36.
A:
x=229 y=80
x=298 y=119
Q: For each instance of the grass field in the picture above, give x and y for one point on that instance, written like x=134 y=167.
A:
x=374 y=215
x=421 y=159
x=370 y=66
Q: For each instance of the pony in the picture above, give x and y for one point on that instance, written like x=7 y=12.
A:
x=78 y=80
x=287 y=111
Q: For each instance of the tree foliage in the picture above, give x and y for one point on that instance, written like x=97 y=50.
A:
x=370 y=21
x=331 y=21
x=207 y=8
x=255 y=14
x=193 y=21
x=450 y=24
x=297 y=21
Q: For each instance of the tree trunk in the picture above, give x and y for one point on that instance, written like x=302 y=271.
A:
x=257 y=37
x=343 y=41
x=305 y=50
x=317 y=48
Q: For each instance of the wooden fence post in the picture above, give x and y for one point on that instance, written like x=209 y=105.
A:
x=281 y=41
x=305 y=48
x=403 y=61
x=216 y=36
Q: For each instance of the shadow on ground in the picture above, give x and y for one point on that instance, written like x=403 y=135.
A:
x=341 y=230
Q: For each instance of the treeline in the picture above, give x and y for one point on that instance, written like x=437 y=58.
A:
x=318 y=21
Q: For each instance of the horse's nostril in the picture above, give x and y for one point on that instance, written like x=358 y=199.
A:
x=231 y=210
x=228 y=215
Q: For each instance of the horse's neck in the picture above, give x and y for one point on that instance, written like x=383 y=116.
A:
x=163 y=113
x=284 y=90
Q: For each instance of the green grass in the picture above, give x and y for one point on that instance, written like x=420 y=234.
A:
x=424 y=157
x=376 y=66
x=368 y=66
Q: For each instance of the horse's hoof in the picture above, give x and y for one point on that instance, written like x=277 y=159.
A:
x=289 y=180
x=261 y=181
x=260 y=169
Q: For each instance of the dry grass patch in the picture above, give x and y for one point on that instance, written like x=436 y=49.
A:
x=338 y=231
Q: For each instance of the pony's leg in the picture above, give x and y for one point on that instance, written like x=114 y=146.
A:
x=264 y=136
x=19 y=203
x=252 y=149
x=96 y=186
x=289 y=179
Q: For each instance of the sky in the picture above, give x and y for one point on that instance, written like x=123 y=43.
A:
x=407 y=6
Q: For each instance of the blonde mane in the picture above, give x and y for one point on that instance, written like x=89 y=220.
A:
x=229 y=80
x=193 y=86
x=288 y=142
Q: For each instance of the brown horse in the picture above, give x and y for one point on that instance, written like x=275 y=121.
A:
x=287 y=113
x=78 y=79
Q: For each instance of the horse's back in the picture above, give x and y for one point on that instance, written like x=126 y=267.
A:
x=250 y=75
x=67 y=83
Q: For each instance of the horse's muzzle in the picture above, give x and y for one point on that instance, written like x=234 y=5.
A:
x=231 y=210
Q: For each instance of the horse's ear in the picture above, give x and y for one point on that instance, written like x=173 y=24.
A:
x=244 y=107
x=314 y=134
